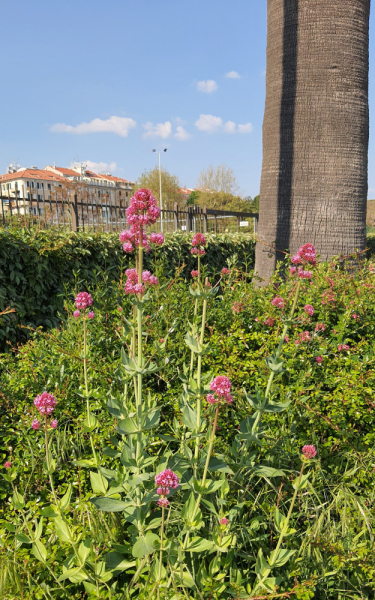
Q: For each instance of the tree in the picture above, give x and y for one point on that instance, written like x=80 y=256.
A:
x=170 y=186
x=315 y=130
x=217 y=187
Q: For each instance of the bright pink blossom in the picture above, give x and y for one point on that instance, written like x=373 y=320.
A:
x=83 y=300
x=133 y=287
x=355 y=316
x=305 y=255
x=309 y=451
x=279 y=302
x=320 y=327
x=7 y=465
x=76 y=314
x=194 y=273
x=142 y=210
x=319 y=359
x=156 y=238
x=45 y=403
x=328 y=297
x=91 y=315
x=238 y=307
x=221 y=386
x=199 y=240
x=303 y=337
x=304 y=274
x=270 y=322
x=293 y=270
x=127 y=247
x=224 y=521
x=35 y=424
x=54 y=423
x=225 y=271
x=309 y=309
x=344 y=347
x=165 y=480
x=198 y=251
x=163 y=502
x=286 y=339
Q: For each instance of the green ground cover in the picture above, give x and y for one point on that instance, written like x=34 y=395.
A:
x=331 y=405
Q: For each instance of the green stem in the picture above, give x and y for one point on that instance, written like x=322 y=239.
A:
x=199 y=372
x=48 y=462
x=87 y=383
x=138 y=390
x=161 y=540
x=192 y=353
x=209 y=452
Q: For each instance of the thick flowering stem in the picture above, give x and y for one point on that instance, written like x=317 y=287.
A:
x=161 y=540
x=86 y=382
x=199 y=373
x=192 y=353
x=140 y=355
x=48 y=461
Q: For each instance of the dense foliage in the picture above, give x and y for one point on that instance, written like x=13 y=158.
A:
x=36 y=267
x=328 y=382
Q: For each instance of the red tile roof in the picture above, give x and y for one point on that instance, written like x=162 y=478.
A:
x=64 y=171
x=31 y=174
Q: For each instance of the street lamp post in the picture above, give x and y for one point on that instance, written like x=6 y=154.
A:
x=161 y=201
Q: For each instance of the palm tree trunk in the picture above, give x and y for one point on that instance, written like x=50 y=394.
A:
x=315 y=130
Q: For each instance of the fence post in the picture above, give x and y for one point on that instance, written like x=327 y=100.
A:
x=238 y=224
x=215 y=224
x=74 y=208
x=205 y=219
x=175 y=215
x=188 y=217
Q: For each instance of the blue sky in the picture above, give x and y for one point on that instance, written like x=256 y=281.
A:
x=106 y=82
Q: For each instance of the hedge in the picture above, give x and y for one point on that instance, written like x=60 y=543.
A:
x=38 y=268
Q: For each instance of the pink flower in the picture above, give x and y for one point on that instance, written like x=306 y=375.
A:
x=293 y=270
x=224 y=521
x=76 y=314
x=279 y=302
x=225 y=271
x=320 y=327
x=304 y=274
x=355 y=316
x=199 y=240
x=303 y=337
x=163 y=502
x=157 y=238
x=221 y=386
x=127 y=247
x=149 y=279
x=238 y=307
x=270 y=322
x=344 y=347
x=328 y=297
x=309 y=309
x=319 y=359
x=142 y=210
x=133 y=287
x=45 y=403
x=54 y=423
x=35 y=424
x=7 y=465
x=197 y=251
x=194 y=273
x=120 y=309
x=305 y=255
x=91 y=315
x=256 y=319
x=309 y=451
x=286 y=339
x=165 y=480
x=83 y=300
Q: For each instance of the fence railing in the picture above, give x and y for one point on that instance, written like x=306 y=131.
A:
x=81 y=215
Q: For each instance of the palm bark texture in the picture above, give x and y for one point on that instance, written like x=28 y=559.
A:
x=315 y=130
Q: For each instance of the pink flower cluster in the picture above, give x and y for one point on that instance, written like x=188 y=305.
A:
x=165 y=480
x=224 y=521
x=194 y=273
x=141 y=212
x=328 y=297
x=45 y=403
x=7 y=465
x=344 y=347
x=278 y=302
x=133 y=287
x=356 y=317
x=225 y=271
x=221 y=386
x=320 y=327
x=270 y=322
x=306 y=255
x=83 y=300
x=309 y=309
x=309 y=451
x=238 y=307
x=198 y=242
x=319 y=359
x=303 y=337
x=131 y=239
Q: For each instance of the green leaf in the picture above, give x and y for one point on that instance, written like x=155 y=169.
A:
x=209 y=487
x=84 y=549
x=188 y=508
x=109 y=504
x=116 y=408
x=65 y=500
x=301 y=483
x=50 y=511
x=39 y=551
x=189 y=417
x=115 y=562
x=275 y=364
x=98 y=483
x=127 y=427
x=261 y=565
x=198 y=544
x=218 y=464
x=276 y=407
x=18 y=500
x=279 y=558
x=85 y=462
x=145 y=544
x=76 y=575
x=90 y=423
x=152 y=419
x=63 y=531
x=268 y=471
x=21 y=537
x=51 y=466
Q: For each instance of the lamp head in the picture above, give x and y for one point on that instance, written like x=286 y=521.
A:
x=165 y=149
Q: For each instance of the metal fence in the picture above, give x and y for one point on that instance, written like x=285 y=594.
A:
x=83 y=215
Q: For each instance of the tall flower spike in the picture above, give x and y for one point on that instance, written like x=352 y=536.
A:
x=221 y=386
x=45 y=403
x=309 y=451
x=83 y=300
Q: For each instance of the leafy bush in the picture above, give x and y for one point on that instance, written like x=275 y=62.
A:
x=330 y=406
x=37 y=266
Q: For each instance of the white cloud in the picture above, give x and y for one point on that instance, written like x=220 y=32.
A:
x=162 y=130
x=117 y=125
x=233 y=75
x=181 y=134
x=207 y=87
x=246 y=128
x=101 y=167
x=229 y=127
x=208 y=123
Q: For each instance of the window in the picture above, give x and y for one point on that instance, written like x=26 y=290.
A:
x=27 y=183
x=39 y=185
x=39 y=197
x=49 y=186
